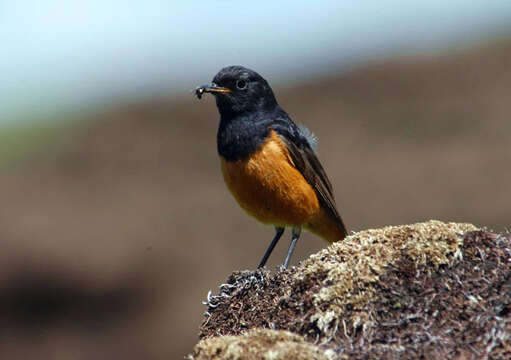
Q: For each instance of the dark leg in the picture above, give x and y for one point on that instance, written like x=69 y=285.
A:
x=295 y=235
x=280 y=231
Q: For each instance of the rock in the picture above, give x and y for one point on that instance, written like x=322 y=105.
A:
x=259 y=344
x=431 y=290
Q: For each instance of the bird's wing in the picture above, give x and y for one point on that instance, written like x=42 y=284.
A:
x=309 y=166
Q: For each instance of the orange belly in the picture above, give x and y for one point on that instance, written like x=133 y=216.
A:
x=270 y=188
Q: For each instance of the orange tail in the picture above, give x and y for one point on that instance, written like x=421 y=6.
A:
x=326 y=226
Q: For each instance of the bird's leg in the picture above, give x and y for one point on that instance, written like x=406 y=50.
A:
x=279 y=232
x=294 y=238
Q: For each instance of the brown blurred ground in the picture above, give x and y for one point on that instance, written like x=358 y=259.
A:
x=113 y=235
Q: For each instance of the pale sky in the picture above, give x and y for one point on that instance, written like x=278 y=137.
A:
x=59 y=54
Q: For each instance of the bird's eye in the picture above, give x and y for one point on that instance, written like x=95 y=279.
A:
x=241 y=84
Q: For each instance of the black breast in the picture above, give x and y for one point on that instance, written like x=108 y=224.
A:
x=239 y=137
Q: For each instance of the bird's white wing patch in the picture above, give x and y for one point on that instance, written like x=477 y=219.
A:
x=311 y=138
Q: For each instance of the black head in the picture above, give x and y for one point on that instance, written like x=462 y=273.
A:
x=239 y=90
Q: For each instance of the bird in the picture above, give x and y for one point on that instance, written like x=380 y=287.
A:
x=268 y=162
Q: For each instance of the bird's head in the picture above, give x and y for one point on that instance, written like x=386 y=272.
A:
x=239 y=90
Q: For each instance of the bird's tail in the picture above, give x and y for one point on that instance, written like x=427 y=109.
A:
x=326 y=226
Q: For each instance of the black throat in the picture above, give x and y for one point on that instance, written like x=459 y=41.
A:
x=240 y=136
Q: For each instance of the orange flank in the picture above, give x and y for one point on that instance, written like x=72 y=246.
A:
x=268 y=186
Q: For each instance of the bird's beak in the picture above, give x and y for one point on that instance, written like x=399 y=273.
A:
x=210 y=88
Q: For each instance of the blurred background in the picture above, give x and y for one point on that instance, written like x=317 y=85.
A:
x=115 y=221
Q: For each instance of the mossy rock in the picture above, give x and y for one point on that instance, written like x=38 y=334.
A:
x=430 y=290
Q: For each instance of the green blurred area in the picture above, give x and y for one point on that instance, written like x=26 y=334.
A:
x=22 y=141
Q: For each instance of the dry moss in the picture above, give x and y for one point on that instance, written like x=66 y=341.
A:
x=354 y=267
x=428 y=290
x=259 y=344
